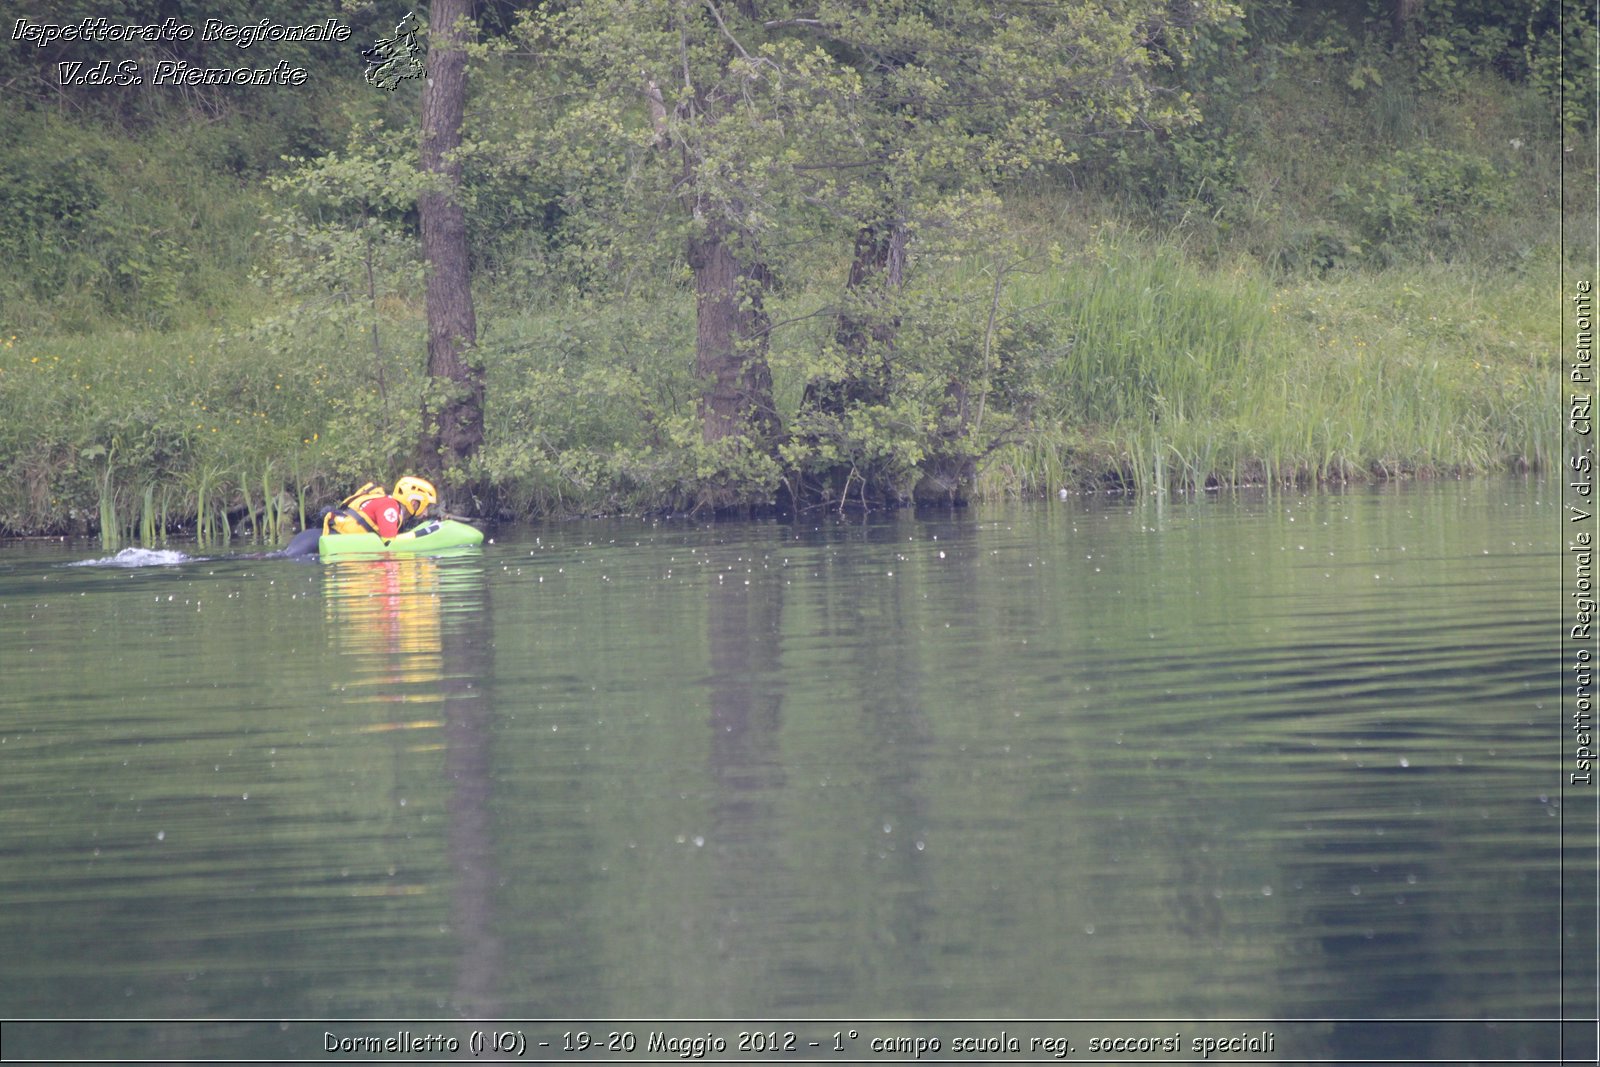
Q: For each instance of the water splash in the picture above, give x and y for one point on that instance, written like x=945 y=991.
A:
x=137 y=557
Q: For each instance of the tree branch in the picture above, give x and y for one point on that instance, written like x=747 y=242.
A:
x=746 y=56
x=723 y=26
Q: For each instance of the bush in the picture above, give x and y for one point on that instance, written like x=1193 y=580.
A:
x=1421 y=201
x=96 y=227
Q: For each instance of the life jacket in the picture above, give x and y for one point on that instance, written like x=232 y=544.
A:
x=348 y=518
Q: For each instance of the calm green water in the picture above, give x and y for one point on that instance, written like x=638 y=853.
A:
x=1244 y=758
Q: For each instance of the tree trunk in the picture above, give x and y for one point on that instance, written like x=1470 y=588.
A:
x=452 y=410
x=865 y=332
x=867 y=326
x=731 y=337
x=1404 y=16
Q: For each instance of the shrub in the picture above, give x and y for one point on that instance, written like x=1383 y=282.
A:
x=1426 y=200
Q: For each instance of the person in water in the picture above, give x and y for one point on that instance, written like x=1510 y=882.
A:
x=373 y=509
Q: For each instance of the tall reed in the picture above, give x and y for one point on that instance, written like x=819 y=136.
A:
x=1173 y=377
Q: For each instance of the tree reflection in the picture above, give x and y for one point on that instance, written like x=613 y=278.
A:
x=743 y=623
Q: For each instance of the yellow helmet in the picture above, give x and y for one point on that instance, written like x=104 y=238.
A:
x=416 y=494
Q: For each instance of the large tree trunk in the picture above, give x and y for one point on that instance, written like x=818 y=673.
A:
x=452 y=410
x=1404 y=18
x=867 y=325
x=731 y=337
x=730 y=281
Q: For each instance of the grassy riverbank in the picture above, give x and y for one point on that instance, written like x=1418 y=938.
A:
x=1174 y=376
x=1220 y=377
x=1367 y=292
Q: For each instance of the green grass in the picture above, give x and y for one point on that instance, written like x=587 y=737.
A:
x=137 y=434
x=1180 y=377
x=1169 y=375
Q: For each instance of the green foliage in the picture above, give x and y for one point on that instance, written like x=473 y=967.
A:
x=587 y=403
x=1559 y=53
x=1350 y=377
x=346 y=275
x=959 y=378
x=95 y=227
x=593 y=410
x=287 y=116
x=1427 y=199
x=1258 y=216
x=825 y=123
x=1148 y=336
x=153 y=432
x=203 y=428
x=1335 y=138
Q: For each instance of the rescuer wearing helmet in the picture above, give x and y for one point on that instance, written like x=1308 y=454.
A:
x=373 y=509
x=416 y=495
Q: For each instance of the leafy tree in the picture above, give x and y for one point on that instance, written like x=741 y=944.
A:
x=957 y=98
x=711 y=108
x=343 y=263
x=887 y=123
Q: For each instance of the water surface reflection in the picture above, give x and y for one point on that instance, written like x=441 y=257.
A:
x=1267 y=757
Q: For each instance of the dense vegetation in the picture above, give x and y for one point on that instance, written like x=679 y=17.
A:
x=818 y=254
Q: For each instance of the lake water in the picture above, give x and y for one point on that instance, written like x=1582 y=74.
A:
x=1251 y=766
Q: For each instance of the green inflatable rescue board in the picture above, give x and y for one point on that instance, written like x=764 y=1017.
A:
x=436 y=536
